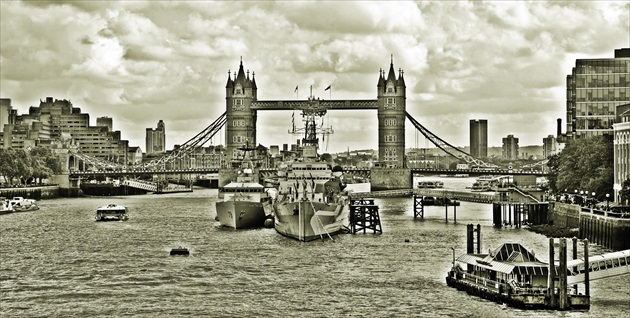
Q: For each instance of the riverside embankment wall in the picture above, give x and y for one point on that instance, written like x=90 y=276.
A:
x=36 y=193
x=600 y=227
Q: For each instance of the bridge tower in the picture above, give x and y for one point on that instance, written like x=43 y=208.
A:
x=391 y=118
x=240 y=129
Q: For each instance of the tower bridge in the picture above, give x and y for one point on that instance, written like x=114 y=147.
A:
x=240 y=119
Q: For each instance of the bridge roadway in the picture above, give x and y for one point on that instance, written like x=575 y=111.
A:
x=477 y=172
x=363 y=171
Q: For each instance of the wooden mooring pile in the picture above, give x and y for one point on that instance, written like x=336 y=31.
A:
x=364 y=216
x=419 y=204
x=517 y=214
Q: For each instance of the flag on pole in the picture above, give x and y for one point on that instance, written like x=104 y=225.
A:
x=327 y=88
x=295 y=89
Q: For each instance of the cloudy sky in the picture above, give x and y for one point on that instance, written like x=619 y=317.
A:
x=139 y=62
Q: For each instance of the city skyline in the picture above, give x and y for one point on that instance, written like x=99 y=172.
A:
x=141 y=62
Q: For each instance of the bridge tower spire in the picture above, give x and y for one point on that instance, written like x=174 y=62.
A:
x=240 y=128
x=391 y=99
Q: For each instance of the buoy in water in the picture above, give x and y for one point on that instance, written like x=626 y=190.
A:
x=406 y=240
x=269 y=223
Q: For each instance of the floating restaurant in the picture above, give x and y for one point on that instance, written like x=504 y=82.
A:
x=513 y=275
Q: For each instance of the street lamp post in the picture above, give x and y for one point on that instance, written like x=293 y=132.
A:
x=607 y=206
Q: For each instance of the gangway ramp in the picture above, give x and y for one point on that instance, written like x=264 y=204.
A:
x=140 y=184
x=599 y=267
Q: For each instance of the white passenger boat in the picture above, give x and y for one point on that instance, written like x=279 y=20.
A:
x=21 y=204
x=112 y=212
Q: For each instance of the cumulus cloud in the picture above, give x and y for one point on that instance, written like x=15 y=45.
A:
x=142 y=61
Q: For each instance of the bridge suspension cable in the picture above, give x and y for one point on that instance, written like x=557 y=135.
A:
x=189 y=146
x=445 y=146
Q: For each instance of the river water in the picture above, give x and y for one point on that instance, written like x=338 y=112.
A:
x=59 y=262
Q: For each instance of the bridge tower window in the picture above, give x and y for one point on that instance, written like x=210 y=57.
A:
x=238 y=105
x=389 y=122
x=390 y=103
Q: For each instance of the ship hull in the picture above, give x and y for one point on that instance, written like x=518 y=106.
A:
x=241 y=214
x=306 y=221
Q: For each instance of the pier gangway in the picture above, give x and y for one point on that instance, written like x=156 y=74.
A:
x=141 y=184
x=599 y=267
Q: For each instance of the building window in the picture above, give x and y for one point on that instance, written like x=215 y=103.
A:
x=238 y=139
x=238 y=105
x=389 y=122
x=390 y=103
x=390 y=154
x=390 y=138
x=390 y=89
x=238 y=123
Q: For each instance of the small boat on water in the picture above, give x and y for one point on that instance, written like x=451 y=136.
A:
x=18 y=204
x=481 y=186
x=430 y=184
x=180 y=251
x=112 y=212
x=5 y=208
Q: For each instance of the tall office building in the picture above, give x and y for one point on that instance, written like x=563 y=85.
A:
x=510 y=147
x=156 y=139
x=479 y=138
x=594 y=89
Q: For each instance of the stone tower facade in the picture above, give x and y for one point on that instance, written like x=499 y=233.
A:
x=240 y=130
x=391 y=118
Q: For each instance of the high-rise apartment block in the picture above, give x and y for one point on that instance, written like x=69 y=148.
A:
x=479 y=138
x=105 y=122
x=156 y=139
x=594 y=89
x=551 y=146
x=510 y=147
x=7 y=113
x=56 y=120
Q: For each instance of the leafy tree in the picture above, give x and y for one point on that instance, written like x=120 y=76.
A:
x=553 y=162
x=7 y=164
x=21 y=165
x=624 y=193
x=328 y=158
x=586 y=164
x=44 y=163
